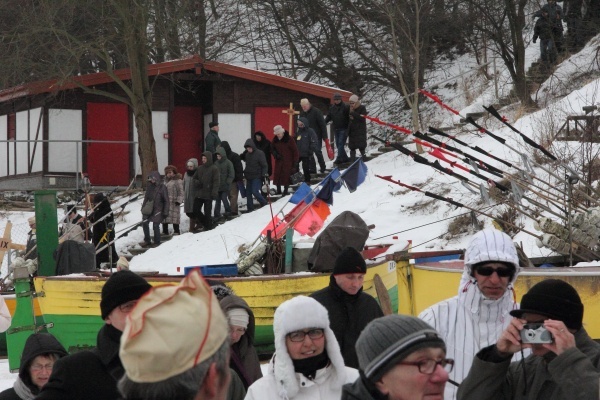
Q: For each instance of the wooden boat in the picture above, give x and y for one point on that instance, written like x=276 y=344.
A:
x=424 y=284
x=72 y=303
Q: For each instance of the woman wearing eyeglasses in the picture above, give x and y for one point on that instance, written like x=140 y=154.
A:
x=400 y=358
x=307 y=363
x=478 y=315
x=39 y=354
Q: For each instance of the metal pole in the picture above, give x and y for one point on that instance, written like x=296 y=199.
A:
x=495 y=79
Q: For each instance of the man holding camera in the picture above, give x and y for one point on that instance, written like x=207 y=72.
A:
x=564 y=361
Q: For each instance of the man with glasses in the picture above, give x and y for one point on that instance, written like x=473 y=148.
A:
x=564 y=361
x=349 y=308
x=94 y=374
x=401 y=357
x=478 y=315
x=307 y=363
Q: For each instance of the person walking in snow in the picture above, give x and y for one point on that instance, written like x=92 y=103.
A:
x=555 y=16
x=103 y=231
x=476 y=317
x=357 y=128
x=316 y=122
x=155 y=208
x=263 y=144
x=307 y=363
x=40 y=352
x=226 y=175
x=190 y=191
x=174 y=184
x=307 y=143
x=286 y=157
x=255 y=173
x=543 y=31
x=208 y=179
x=339 y=116
x=238 y=178
x=212 y=140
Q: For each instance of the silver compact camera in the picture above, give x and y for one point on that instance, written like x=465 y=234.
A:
x=535 y=333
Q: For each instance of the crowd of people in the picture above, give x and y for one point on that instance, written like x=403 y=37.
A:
x=196 y=341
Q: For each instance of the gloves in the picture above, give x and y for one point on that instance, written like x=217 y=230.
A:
x=177 y=203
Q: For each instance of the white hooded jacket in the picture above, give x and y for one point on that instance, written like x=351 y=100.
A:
x=281 y=380
x=469 y=322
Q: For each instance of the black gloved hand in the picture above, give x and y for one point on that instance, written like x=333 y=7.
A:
x=534 y=40
x=177 y=203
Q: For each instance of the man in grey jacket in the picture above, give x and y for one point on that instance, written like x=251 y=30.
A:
x=565 y=368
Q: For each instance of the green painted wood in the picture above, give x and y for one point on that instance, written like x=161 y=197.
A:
x=23 y=322
x=46 y=223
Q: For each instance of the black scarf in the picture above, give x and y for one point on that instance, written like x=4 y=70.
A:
x=309 y=366
x=190 y=173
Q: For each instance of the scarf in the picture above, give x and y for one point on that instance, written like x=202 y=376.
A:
x=22 y=390
x=309 y=366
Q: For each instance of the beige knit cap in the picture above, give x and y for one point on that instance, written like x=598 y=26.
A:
x=304 y=101
x=172 y=329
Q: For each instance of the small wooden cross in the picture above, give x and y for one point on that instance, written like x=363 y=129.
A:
x=291 y=112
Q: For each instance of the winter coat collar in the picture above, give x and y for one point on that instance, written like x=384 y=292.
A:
x=107 y=349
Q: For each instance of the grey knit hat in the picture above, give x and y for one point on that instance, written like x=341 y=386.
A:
x=388 y=340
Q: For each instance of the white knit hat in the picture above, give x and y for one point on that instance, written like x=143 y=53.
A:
x=304 y=101
x=238 y=317
x=278 y=129
x=354 y=98
x=299 y=313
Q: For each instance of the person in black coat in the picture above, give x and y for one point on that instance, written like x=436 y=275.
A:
x=262 y=143
x=103 y=230
x=316 y=122
x=93 y=375
x=543 y=31
x=357 y=130
x=39 y=355
x=339 y=116
x=238 y=179
x=350 y=310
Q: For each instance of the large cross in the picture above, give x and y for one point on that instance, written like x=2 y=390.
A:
x=291 y=112
x=6 y=243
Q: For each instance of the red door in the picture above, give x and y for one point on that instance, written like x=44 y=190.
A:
x=186 y=136
x=108 y=164
x=265 y=118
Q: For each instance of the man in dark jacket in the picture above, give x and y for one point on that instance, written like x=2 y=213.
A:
x=238 y=170
x=212 y=140
x=94 y=374
x=39 y=355
x=307 y=142
x=256 y=172
x=209 y=180
x=316 y=122
x=350 y=309
x=103 y=233
x=357 y=129
x=565 y=365
x=339 y=116
x=157 y=194
x=543 y=31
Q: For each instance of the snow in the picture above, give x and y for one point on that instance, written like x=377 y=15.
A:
x=399 y=215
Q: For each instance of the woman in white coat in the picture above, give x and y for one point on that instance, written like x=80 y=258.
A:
x=307 y=364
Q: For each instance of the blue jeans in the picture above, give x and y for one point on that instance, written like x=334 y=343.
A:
x=253 y=190
x=223 y=197
x=547 y=51
x=340 y=143
x=155 y=228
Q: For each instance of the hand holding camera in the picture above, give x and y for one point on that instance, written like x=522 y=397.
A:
x=551 y=334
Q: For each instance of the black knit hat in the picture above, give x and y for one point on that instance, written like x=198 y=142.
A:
x=388 y=340
x=337 y=96
x=121 y=287
x=555 y=299
x=350 y=261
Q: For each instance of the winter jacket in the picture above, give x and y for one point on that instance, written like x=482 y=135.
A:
x=286 y=158
x=190 y=187
x=572 y=375
x=235 y=159
x=357 y=129
x=469 y=322
x=102 y=225
x=348 y=316
x=339 y=114
x=158 y=192
x=256 y=163
x=36 y=345
x=307 y=141
x=175 y=193
x=555 y=15
x=90 y=375
x=315 y=119
x=31 y=246
x=236 y=390
x=208 y=177
x=542 y=29
x=226 y=172
x=212 y=141
x=359 y=390
x=265 y=145
x=244 y=358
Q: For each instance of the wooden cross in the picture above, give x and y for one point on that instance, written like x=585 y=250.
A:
x=6 y=243
x=291 y=112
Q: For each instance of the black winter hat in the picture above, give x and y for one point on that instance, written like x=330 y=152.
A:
x=337 y=96
x=388 y=340
x=121 y=287
x=555 y=299
x=350 y=261
x=213 y=124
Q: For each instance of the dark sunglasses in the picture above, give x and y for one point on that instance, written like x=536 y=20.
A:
x=488 y=271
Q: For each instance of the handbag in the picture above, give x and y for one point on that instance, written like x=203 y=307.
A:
x=296 y=177
x=148 y=207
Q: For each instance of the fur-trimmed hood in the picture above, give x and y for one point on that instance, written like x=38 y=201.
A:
x=298 y=313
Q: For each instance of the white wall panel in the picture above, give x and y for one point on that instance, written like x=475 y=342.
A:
x=64 y=125
x=3 y=145
x=22 y=133
x=233 y=128
x=160 y=126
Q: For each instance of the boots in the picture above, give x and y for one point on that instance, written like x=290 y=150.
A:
x=192 y=225
x=176 y=229
x=165 y=229
x=285 y=190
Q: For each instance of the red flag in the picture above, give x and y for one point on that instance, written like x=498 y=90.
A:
x=312 y=219
x=277 y=227
x=329 y=149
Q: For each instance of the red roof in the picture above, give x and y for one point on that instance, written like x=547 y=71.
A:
x=194 y=62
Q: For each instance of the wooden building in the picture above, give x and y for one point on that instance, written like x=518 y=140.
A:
x=50 y=132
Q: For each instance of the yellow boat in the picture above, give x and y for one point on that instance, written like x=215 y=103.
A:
x=422 y=285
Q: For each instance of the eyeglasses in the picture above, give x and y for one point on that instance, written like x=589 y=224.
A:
x=488 y=271
x=428 y=366
x=127 y=307
x=39 y=367
x=298 y=336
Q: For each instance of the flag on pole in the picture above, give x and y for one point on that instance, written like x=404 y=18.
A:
x=303 y=193
x=312 y=219
x=355 y=175
x=277 y=227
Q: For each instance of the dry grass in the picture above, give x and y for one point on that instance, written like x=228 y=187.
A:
x=461 y=225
